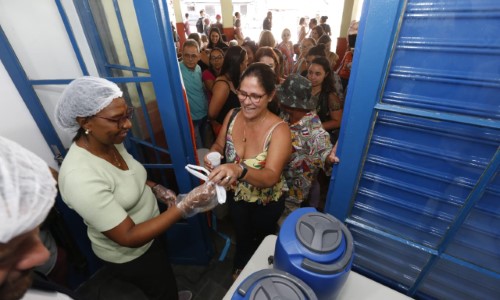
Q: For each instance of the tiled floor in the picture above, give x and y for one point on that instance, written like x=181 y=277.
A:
x=209 y=282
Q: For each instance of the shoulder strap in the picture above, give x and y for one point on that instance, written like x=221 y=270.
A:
x=235 y=112
x=270 y=133
x=231 y=118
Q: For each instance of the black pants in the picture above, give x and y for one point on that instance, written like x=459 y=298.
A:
x=151 y=272
x=252 y=223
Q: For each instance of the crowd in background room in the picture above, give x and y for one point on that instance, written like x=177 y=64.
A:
x=261 y=91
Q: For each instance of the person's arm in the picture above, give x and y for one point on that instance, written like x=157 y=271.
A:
x=90 y=194
x=278 y=156
x=220 y=141
x=208 y=80
x=129 y=234
x=209 y=84
x=302 y=34
x=220 y=92
x=239 y=34
x=321 y=148
x=335 y=113
x=332 y=157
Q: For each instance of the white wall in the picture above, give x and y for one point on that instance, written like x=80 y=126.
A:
x=36 y=33
x=16 y=122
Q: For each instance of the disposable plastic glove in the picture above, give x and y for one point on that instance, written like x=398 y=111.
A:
x=164 y=195
x=200 y=199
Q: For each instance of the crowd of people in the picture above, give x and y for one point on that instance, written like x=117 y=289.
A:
x=287 y=100
x=272 y=110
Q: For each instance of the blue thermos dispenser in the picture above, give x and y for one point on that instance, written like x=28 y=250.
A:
x=317 y=248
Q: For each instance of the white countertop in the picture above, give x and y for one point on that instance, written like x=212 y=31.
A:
x=357 y=287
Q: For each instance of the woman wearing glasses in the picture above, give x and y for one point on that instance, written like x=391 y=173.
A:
x=216 y=59
x=257 y=146
x=109 y=189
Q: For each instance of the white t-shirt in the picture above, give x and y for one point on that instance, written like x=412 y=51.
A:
x=104 y=195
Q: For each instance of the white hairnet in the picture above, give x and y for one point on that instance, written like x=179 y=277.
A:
x=84 y=97
x=27 y=190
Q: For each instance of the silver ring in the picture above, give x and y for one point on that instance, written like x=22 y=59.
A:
x=228 y=178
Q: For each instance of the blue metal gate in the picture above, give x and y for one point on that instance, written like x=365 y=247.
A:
x=161 y=137
x=418 y=181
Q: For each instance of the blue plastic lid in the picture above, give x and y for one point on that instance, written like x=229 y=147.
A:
x=274 y=284
x=322 y=233
x=318 y=232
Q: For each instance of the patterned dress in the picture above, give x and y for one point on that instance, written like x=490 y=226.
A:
x=311 y=146
x=243 y=190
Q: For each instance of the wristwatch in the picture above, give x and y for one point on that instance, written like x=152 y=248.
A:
x=244 y=171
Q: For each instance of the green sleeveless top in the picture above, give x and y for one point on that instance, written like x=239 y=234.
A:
x=243 y=190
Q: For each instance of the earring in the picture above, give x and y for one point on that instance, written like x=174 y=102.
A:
x=87 y=131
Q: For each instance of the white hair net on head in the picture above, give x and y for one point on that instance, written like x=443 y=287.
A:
x=84 y=97
x=27 y=190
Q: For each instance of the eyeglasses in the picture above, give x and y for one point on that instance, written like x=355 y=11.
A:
x=242 y=96
x=190 y=56
x=219 y=57
x=121 y=120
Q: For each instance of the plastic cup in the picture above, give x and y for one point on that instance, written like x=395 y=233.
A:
x=214 y=158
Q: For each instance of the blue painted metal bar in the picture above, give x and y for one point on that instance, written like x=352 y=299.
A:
x=130 y=57
x=382 y=279
x=150 y=145
x=226 y=238
x=439 y=115
x=392 y=237
x=160 y=54
x=373 y=49
x=127 y=68
x=158 y=166
x=434 y=76
x=413 y=189
x=50 y=81
x=21 y=81
x=474 y=267
x=123 y=32
x=113 y=79
x=419 y=171
x=71 y=36
x=476 y=193
x=93 y=38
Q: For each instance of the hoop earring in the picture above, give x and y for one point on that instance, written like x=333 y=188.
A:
x=87 y=131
